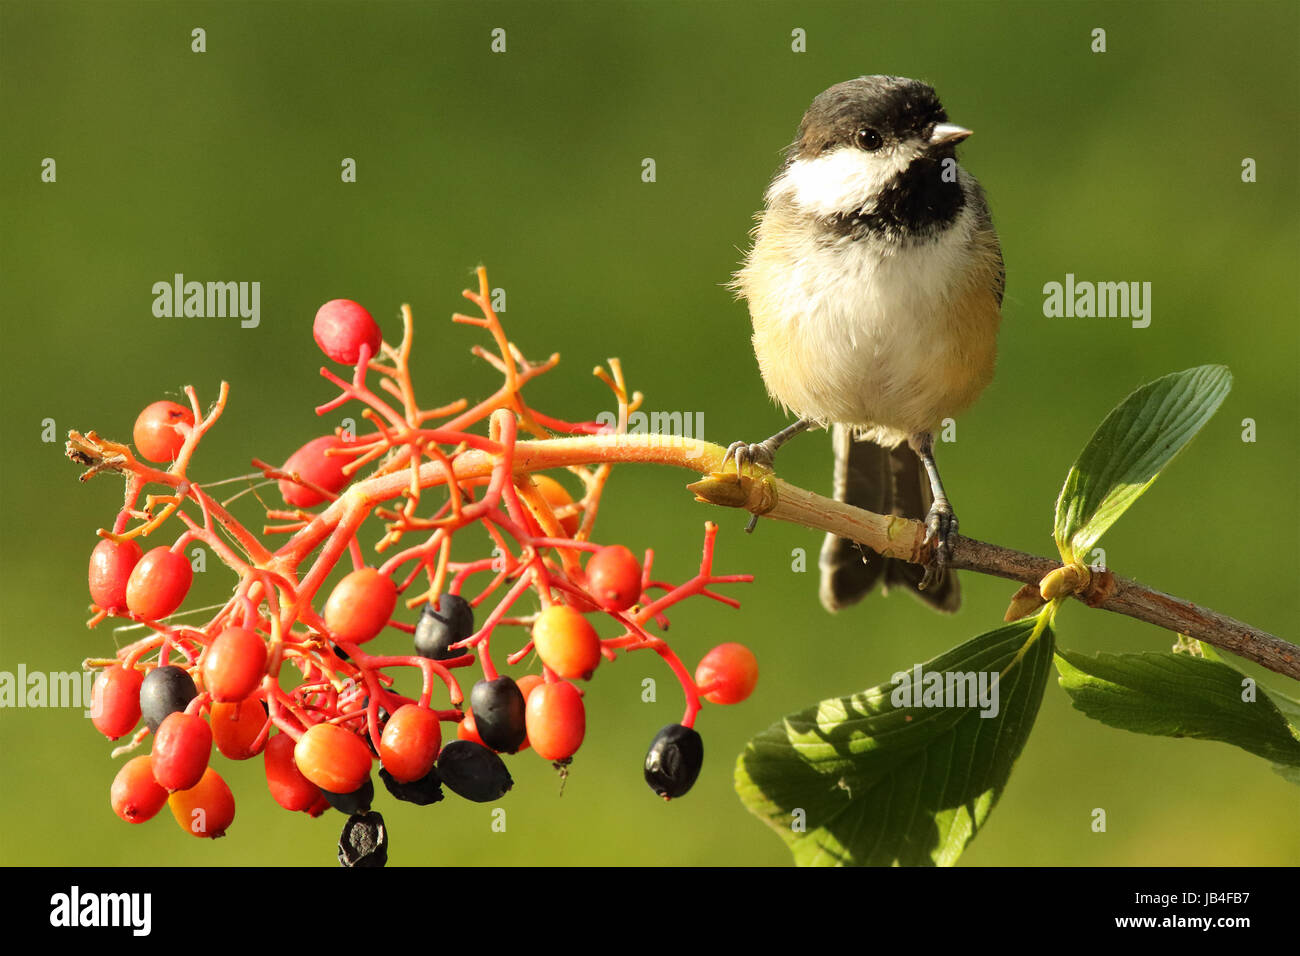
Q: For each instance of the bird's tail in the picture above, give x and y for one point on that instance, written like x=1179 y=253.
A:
x=886 y=482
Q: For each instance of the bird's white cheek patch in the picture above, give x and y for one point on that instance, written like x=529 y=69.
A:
x=840 y=181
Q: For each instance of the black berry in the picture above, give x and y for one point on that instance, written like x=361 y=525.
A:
x=673 y=761
x=364 y=841
x=498 y=707
x=422 y=792
x=357 y=801
x=472 y=771
x=438 y=629
x=164 y=691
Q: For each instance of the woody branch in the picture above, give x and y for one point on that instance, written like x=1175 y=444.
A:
x=766 y=495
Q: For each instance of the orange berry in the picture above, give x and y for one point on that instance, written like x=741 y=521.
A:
x=158 y=583
x=566 y=642
x=334 y=759
x=136 y=796
x=359 y=606
x=206 y=809
x=156 y=436
x=235 y=664
x=727 y=674
x=235 y=726
x=558 y=497
x=410 y=743
x=614 y=578
x=528 y=683
x=557 y=720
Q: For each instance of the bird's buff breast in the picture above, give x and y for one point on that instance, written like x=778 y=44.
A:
x=889 y=339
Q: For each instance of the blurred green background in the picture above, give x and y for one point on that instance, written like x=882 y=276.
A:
x=225 y=166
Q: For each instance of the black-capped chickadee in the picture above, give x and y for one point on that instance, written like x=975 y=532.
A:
x=875 y=287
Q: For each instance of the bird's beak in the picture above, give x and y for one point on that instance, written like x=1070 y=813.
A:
x=945 y=133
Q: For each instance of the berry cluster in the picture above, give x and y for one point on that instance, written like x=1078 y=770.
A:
x=430 y=473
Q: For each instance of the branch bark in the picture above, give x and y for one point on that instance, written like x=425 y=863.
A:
x=762 y=493
x=894 y=537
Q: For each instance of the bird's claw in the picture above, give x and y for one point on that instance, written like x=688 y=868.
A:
x=760 y=454
x=743 y=453
x=940 y=529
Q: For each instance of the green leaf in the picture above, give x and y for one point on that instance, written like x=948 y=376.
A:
x=1290 y=708
x=1128 y=451
x=872 y=783
x=1179 y=695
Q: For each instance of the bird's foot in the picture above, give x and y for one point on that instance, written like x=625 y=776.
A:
x=940 y=530
x=761 y=453
x=743 y=453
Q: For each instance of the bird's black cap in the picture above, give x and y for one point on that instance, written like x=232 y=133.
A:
x=894 y=106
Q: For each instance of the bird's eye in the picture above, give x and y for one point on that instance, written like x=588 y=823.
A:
x=869 y=140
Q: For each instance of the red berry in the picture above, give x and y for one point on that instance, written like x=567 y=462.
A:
x=110 y=569
x=614 y=578
x=467 y=729
x=235 y=727
x=727 y=674
x=320 y=806
x=235 y=664
x=158 y=584
x=334 y=759
x=289 y=788
x=410 y=743
x=529 y=683
x=135 y=794
x=156 y=436
x=312 y=464
x=566 y=642
x=359 y=606
x=556 y=719
x=342 y=327
x=181 y=750
x=115 y=701
x=205 y=810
